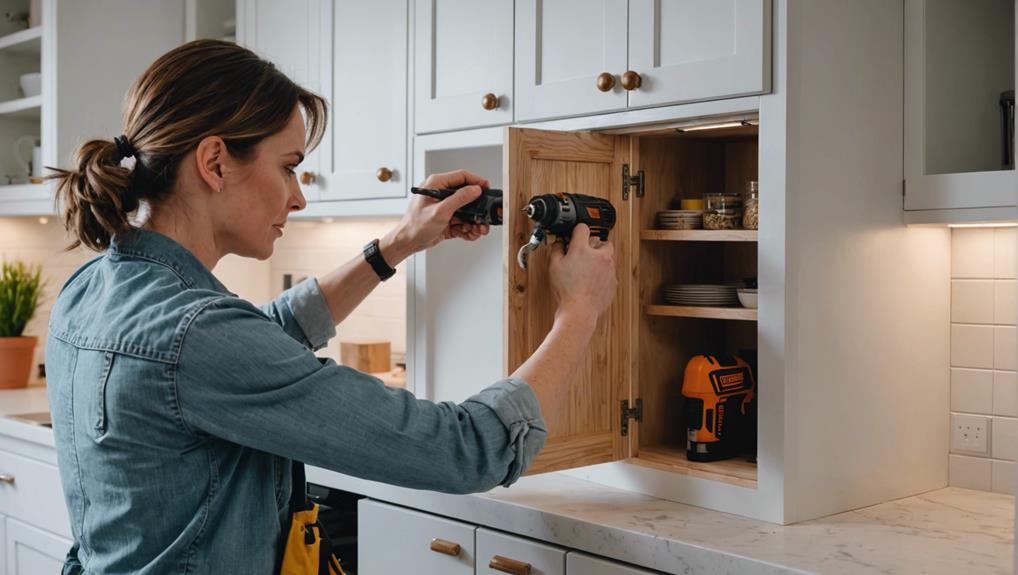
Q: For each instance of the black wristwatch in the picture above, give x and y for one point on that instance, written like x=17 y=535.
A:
x=373 y=255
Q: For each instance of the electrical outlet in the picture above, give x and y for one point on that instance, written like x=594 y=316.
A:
x=970 y=433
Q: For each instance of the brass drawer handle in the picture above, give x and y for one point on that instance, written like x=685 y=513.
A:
x=307 y=178
x=489 y=101
x=446 y=547
x=383 y=174
x=605 y=82
x=8 y=479
x=507 y=565
x=631 y=80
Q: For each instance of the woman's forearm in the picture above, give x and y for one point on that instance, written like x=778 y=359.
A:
x=559 y=356
x=346 y=287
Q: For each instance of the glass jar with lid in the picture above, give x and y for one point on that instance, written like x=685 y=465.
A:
x=751 y=208
x=724 y=212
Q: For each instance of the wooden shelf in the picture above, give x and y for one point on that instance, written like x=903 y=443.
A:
x=734 y=313
x=28 y=41
x=22 y=108
x=699 y=235
x=736 y=471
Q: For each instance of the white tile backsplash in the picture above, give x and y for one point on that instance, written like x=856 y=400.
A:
x=972 y=346
x=970 y=472
x=983 y=350
x=972 y=301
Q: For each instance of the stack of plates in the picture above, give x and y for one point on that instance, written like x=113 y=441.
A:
x=701 y=295
x=680 y=219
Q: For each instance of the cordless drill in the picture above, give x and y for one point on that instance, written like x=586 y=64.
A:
x=555 y=214
x=720 y=396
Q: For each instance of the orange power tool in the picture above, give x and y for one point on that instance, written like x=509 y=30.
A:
x=720 y=408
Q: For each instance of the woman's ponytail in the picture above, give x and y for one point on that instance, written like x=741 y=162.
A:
x=97 y=196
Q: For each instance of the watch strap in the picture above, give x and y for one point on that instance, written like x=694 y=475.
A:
x=373 y=255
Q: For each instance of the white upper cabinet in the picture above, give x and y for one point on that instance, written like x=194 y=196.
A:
x=463 y=64
x=689 y=50
x=366 y=156
x=291 y=35
x=569 y=56
x=959 y=107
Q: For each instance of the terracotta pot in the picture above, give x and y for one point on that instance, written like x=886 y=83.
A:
x=16 y=355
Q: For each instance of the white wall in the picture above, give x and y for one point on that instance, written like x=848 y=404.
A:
x=983 y=353
x=307 y=249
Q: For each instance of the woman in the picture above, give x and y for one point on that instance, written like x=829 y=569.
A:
x=177 y=406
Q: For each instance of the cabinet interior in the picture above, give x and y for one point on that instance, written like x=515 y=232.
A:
x=685 y=165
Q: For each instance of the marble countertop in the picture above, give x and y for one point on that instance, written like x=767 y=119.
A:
x=946 y=531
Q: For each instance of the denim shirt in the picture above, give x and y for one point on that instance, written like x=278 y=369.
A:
x=178 y=408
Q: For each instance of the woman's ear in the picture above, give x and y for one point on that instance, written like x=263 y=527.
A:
x=210 y=156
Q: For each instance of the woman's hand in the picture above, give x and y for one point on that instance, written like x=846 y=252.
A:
x=583 y=280
x=429 y=221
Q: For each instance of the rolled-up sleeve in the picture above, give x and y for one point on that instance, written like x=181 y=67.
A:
x=245 y=378
x=303 y=314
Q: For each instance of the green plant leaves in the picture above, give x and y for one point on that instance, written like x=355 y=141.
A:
x=21 y=287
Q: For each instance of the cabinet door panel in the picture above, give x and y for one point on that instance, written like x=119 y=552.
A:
x=582 y=416
x=291 y=35
x=583 y=564
x=543 y=559
x=393 y=540
x=561 y=48
x=369 y=105
x=35 y=495
x=688 y=50
x=31 y=550
x=463 y=50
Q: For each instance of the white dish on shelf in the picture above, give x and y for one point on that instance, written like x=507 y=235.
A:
x=31 y=84
x=747 y=297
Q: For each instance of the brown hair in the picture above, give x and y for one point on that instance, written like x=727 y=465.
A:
x=200 y=89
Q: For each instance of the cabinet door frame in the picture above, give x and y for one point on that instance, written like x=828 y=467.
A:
x=577 y=96
x=993 y=189
x=446 y=113
x=587 y=443
x=19 y=533
x=361 y=183
x=746 y=72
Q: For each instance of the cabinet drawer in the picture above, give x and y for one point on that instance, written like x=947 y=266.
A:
x=30 y=550
x=583 y=564
x=393 y=540
x=543 y=559
x=35 y=494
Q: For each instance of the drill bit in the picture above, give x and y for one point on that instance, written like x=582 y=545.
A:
x=536 y=239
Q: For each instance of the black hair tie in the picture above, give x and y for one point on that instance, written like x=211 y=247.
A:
x=124 y=148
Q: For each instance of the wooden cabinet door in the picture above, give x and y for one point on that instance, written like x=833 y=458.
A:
x=294 y=36
x=31 y=550
x=394 y=540
x=583 y=416
x=582 y=564
x=562 y=48
x=463 y=50
x=699 y=49
x=368 y=155
x=508 y=551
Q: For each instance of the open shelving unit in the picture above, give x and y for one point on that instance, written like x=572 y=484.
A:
x=21 y=52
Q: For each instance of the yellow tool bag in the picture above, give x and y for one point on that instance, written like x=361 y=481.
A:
x=308 y=551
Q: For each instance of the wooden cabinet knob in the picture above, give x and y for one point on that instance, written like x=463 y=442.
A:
x=489 y=101
x=631 y=80
x=8 y=479
x=605 y=82
x=307 y=178
x=507 y=565
x=383 y=174
x=446 y=547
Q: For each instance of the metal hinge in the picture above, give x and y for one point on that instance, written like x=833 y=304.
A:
x=627 y=414
x=631 y=181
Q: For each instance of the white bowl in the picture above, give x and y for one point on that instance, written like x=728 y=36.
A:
x=31 y=84
x=747 y=297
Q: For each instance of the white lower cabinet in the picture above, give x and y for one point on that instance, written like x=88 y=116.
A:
x=582 y=564
x=393 y=540
x=31 y=551
x=499 y=552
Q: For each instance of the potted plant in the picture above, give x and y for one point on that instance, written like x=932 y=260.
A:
x=20 y=290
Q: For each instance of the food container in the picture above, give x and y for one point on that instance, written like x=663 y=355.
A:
x=724 y=212
x=751 y=208
x=692 y=204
